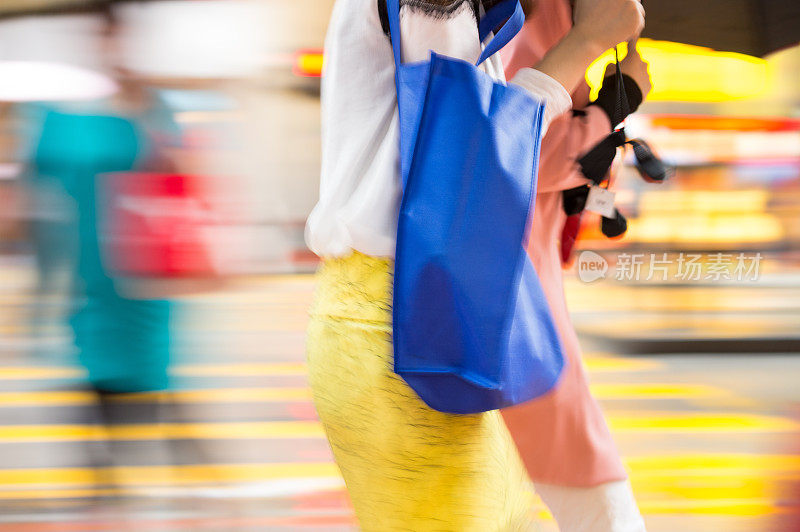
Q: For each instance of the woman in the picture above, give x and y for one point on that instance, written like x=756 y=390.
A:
x=563 y=438
x=123 y=342
x=406 y=466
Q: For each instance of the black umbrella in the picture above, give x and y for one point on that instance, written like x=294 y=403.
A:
x=753 y=27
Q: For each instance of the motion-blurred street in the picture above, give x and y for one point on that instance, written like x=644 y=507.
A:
x=699 y=378
x=708 y=439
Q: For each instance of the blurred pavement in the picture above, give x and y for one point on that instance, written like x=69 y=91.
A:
x=708 y=439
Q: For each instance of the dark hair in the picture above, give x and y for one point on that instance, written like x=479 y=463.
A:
x=442 y=8
x=106 y=12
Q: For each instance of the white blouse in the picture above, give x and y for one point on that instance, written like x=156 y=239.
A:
x=360 y=183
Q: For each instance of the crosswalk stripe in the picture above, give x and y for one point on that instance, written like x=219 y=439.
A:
x=643 y=475
x=736 y=462
x=148 y=523
x=16 y=373
x=295 y=394
x=701 y=422
x=671 y=497
x=23 y=373
x=199 y=431
x=211 y=395
x=740 y=507
x=737 y=507
x=609 y=364
x=656 y=391
x=727 y=507
x=180 y=475
x=240 y=370
x=656 y=422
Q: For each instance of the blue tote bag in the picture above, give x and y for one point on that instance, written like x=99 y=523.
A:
x=472 y=330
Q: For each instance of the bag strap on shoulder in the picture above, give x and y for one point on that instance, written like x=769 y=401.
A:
x=493 y=18
x=509 y=30
x=393 y=14
x=509 y=10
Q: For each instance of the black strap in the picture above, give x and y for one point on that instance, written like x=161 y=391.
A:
x=596 y=162
x=622 y=108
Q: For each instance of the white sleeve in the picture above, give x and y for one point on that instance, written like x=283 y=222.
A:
x=556 y=98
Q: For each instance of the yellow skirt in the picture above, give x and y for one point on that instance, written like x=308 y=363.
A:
x=406 y=466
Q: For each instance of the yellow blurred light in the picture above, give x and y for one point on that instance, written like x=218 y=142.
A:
x=309 y=64
x=685 y=73
x=728 y=229
x=724 y=123
x=694 y=217
x=705 y=422
x=704 y=201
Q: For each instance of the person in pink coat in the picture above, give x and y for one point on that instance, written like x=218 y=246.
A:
x=563 y=437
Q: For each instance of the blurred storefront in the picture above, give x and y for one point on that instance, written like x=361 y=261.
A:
x=249 y=101
x=730 y=125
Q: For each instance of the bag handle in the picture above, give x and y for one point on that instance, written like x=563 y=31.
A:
x=393 y=13
x=496 y=16
x=509 y=30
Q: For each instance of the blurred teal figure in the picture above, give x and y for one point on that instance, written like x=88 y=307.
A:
x=123 y=343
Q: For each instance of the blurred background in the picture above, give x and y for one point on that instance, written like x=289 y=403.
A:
x=174 y=147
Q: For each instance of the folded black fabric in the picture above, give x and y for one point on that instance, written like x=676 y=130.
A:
x=596 y=162
x=607 y=98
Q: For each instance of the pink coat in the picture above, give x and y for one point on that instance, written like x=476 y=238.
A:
x=562 y=438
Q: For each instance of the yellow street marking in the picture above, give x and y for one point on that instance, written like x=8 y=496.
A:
x=223 y=431
x=293 y=394
x=709 y=487
x=240 y=370
x=65 y=398
x=604 y=364
x=188 y=370
x=47 y=494
x=721 y=507
x=708 y=476
x=736 y=463
x=238 y=395
x=660 y=423
x=699 y=423
x=732 y=507
x=211 y=395
x=656 y=391
x=46 y=483
x=183 y=475
x=595 y=364
x=675 y=492
x=727 y=507
x=11 y=373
